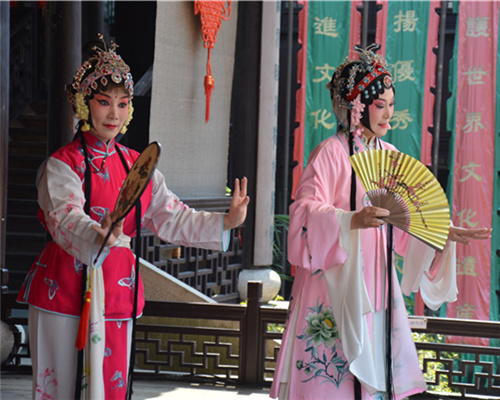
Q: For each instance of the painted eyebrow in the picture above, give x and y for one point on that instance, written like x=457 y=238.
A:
x=105 y=95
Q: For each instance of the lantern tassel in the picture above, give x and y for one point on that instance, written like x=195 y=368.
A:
x=83 y=327
x=209 y=85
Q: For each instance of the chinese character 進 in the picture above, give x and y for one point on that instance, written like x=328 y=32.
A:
x=407 y=22
x=473 y=122
x=322 y=120
x=400 y=119
x=326 y=26
x=467 y=266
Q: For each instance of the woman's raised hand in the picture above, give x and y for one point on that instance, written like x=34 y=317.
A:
x=238 y=210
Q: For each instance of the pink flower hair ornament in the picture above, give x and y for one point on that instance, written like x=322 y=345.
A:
x=356 y=113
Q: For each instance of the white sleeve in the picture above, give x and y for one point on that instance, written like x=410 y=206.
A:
x=61 y=198
x=174 y=222
x=433 y=272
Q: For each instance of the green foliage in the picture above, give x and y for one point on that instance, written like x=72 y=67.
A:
x=433 y=367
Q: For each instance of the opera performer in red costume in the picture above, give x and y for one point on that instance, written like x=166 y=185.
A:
x=77 y=188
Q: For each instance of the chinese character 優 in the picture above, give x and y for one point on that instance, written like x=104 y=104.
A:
x=403 y=71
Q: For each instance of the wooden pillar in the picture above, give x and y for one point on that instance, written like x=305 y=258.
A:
x=64 y=49
x=93 y=21
x=251 y=371
x=4 y=130
x=245 y=112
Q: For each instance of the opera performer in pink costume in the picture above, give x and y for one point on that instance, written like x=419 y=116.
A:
x=77 y=188
x=334 y=343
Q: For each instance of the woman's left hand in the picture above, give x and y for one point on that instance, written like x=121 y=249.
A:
x=463 y=235
x=238 y=210
x=103 y=229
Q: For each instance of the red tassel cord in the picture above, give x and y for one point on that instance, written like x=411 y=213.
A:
x=212 y=13
x=209 y=86
x=83 y=327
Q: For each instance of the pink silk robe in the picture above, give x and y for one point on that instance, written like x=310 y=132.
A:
x=336 y=324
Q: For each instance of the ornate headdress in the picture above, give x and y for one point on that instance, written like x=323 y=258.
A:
x=101 y=66
x=356 y=83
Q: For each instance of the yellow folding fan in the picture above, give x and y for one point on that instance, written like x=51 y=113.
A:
x=404 y=186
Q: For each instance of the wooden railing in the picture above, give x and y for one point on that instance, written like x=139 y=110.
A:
x=213 y=273
x=234 y=343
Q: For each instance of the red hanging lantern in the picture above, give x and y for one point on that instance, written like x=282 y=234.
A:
x=212 y=13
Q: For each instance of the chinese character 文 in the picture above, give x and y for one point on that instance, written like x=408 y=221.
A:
x=326 y=26
x=326 y=73
x=469 y=169
x=406 y=22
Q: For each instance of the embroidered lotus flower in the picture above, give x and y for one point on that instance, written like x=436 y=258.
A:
x=325 y=364
x=321 y=327
x=356 y=113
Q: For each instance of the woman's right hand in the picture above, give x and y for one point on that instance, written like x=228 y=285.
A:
x=369 y=217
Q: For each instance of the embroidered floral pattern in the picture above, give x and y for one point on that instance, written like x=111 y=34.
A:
x=128 y=282
x=321 y=336
x=47 y=381
x=118 y=379
x=53 y=287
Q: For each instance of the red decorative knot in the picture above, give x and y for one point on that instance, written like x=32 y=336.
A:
x=212 y=13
